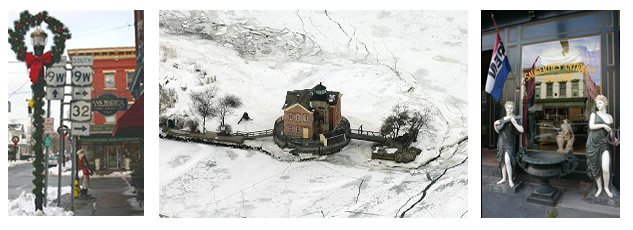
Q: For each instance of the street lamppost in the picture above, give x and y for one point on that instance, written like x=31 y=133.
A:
x=35 y=63
x=38 y=39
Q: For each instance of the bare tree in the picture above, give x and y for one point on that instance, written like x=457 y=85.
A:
x=226 y=105
x=203 y=104
x=396 y=121
x=167 y=97
x=406 y=120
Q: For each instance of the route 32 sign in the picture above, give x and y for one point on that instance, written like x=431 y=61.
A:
x=80 y=111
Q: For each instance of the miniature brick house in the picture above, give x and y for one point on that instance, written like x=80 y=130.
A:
x=310 y=112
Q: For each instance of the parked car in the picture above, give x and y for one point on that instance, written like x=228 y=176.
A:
x=52 y=160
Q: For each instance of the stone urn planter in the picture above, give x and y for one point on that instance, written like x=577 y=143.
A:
x=544 y=166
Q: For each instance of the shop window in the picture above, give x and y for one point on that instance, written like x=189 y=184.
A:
x=574 y=88
x=550 y=89
x=109 y=80
x=562 y=89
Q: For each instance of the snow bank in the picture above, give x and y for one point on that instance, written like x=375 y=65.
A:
x=54 y=171
x=18 y=162
x=24 y=205
x=113 y=174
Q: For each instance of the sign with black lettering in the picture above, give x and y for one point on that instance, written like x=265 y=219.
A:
x=81 y=76
x=55 y=76
x=107 y=104
x=80 y=111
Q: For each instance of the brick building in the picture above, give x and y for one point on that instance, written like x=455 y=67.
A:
x=114 y=72
x=310 y=112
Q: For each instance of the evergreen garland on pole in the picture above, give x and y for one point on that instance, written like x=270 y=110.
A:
x=16 y=39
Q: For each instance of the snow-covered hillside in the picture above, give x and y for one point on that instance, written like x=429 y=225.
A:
x=376 y=59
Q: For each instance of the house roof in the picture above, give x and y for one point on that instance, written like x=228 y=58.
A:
x=304 y=96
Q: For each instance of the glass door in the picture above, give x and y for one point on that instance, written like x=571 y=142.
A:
x=113 y=157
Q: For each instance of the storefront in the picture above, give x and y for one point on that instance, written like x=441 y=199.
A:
x=107 y=152
x=574 y=48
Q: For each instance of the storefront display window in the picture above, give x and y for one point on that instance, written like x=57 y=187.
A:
x=560 y=71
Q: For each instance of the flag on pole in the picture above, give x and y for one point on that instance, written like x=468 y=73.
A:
x=528 y=100
x=499 y=68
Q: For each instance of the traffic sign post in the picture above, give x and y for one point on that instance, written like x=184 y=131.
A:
x=49 y=124
x=82 y=93
x=82 y=76
x=48 y=141
x=54 y=93
x=55 y=76
x=80 y=111
x=80 y=128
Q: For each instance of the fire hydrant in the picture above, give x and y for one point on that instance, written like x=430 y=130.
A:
x=76 y=188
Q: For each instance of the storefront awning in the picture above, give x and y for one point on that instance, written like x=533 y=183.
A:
x=131 y=123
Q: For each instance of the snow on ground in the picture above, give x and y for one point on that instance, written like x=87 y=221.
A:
x=376 y=59
x=199 y=180
x=54 y=171
x=18 y=162
x=24 y=205
x=113 y=174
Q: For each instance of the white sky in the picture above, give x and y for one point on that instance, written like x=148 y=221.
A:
x=89 y=29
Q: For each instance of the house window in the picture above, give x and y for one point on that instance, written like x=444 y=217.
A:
x=298 y=129
x=305 y=117
x=109 y=80
x=290 y=116
x=289 y=128
x=563 y=89
x=574 y=88
x=130 y=78
x=298 y=117
x=537 y=91
x=550 y=87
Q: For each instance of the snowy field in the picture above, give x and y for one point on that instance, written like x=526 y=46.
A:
x=375 y=59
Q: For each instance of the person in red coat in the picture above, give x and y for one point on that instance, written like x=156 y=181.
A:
x=86 y=170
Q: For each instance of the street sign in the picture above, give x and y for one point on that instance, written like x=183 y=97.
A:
x=48 y=141
x=55 y=76
x=80 y=111
x=49 y=122
x=80 y=129
x=82 y=60
x=82 y=93
x=82 y=75
x=54 y=93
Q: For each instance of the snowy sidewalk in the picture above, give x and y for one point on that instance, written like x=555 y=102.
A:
x=112 y=196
